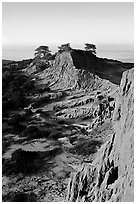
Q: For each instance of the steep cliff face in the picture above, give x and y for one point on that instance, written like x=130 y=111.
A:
x=74 y=70
x=104 y=68
x=81 y=70
x=110 y=177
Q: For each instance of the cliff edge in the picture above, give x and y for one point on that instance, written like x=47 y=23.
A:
x=78 y=69
x=110 y=177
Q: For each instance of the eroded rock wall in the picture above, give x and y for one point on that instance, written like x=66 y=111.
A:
x=104 y=68
x=110 y=177
x=66 y=74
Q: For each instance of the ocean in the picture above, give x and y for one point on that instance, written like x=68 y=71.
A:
x=121 y=55
x=27 y=52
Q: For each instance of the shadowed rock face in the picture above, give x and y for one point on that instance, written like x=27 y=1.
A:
x=104 y=68
x=111 y=175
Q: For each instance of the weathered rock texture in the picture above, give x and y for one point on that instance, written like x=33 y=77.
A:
x=110 y=177
x=67 y=118
x=75 y=71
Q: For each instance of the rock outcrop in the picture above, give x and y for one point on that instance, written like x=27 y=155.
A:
x=110 y=177
x=66 y=117
x=72 y=71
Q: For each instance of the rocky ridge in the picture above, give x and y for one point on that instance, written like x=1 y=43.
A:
x=66 y=73
x=68 y=119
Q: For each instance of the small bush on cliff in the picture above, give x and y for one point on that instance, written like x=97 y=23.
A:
x=91 y=48
x=64 y=47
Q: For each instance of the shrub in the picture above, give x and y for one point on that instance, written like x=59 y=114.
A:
x=15 y=87
x=91 y=48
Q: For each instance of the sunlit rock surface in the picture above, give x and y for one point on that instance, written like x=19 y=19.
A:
x=67 y=127
x=110 y=177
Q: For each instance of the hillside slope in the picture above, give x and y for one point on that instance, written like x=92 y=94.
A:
x=111 y=175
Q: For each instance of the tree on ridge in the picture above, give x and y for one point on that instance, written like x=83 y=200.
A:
x=91 y=48
x=42 y=57
x=64 y=47
x=42 y=52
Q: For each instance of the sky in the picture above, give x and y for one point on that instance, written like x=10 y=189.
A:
x=25 y=26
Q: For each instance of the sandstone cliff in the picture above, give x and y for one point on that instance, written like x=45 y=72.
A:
x=74 y=70
x=81 y=70
x=110 y=177
x=66 y=118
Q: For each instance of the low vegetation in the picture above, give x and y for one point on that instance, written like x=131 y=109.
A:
x=15 y=88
